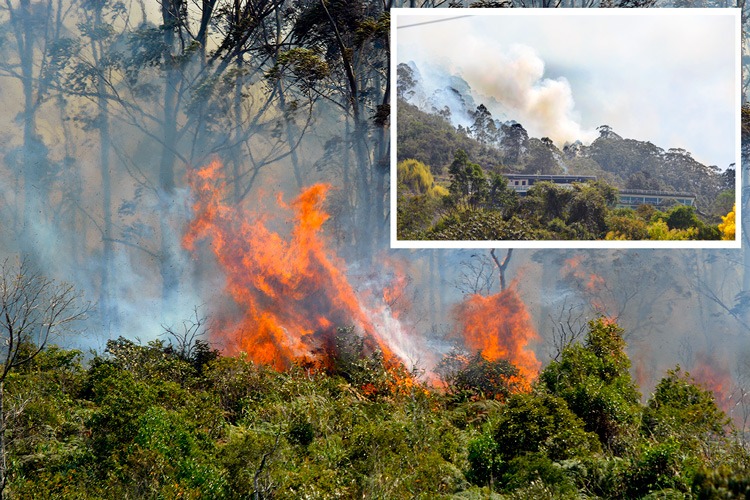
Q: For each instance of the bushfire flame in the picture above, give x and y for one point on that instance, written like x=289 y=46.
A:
x=499 y=326
x=591 y=283
x=290 y=289
x=712 y=375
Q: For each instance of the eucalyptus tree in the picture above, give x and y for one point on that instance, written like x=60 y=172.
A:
x=187 y=85
x=340 y=55
x=34 y=44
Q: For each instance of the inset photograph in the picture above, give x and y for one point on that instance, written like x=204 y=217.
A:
x=565 y=128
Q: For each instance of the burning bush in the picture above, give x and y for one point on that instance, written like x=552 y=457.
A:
x=477 y=377
x=499 y=326
x=288 y=288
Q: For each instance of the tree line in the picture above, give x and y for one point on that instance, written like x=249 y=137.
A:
x=482 y=206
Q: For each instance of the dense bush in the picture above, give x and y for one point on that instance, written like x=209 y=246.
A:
x=142 y=421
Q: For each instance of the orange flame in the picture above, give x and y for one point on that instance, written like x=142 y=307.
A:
x=288 y=288
x=394 y=293
x=712 y=375
x=591 y=283
x=499 y=326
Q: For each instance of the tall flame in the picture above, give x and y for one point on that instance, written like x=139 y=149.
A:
x=288 y=288
x=499 y=326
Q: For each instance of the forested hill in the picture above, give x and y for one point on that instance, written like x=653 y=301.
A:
x=505 y=147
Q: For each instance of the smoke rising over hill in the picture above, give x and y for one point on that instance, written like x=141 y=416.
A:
x=512 y=84
x=563 y=76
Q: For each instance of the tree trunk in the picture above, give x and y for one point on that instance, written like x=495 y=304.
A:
x=106 y=304
x=3 y=452
x=364 y=207
x=168 y=265
x=290 y=128
x=381 y=170
x=33 y=152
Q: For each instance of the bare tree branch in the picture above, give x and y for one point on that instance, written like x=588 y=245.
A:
x=33 y=309
x=502 y=265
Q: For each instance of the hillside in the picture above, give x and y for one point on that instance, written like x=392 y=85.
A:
x=430 y=130
x=451 y=187
x=624 y=163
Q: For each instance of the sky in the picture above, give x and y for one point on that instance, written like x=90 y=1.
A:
x=651 y=75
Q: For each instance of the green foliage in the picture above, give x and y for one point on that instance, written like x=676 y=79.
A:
x=577 y=213
x=593 y=379
x=240 y=384
x=682 y=411
x=722 y=482
x=625 y=224
x=682 y=217
x=531 y=432
x=540 y=159
x=656 y=169
x=46 y=440
x=660 y=467
x=142 y=423
x=550 y=212
x=431 y=139
x=500 y=195
x=416 y=177
x=419 y=199
x=659 y=230
x=468 y=182
x=485 y=464
x=681 y=223
x=725 y=202
x=535 y=471
x=466 y=223
x=416 y=214
x=302 y=65
x=600 y=476
x=541 y=423
x=169 y=458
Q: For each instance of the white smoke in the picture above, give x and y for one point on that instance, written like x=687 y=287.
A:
x=511 y=83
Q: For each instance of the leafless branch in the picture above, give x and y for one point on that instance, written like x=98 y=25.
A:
x=476 y=276
x=185 y=336
x=502 y=265
x=33 y=309
x=569 y=326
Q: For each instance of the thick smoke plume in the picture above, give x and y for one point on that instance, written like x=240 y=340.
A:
x=511 y=83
